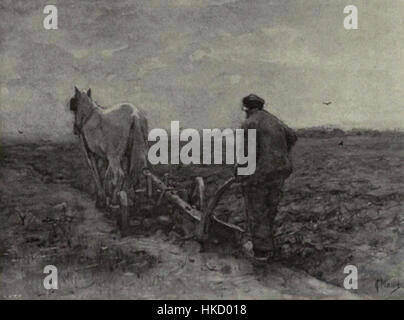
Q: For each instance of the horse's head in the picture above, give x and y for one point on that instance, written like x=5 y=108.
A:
x=82 y=106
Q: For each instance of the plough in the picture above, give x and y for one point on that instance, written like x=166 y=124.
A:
x=203 y=214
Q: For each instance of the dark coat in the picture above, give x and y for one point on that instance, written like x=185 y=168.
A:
x=274 y=141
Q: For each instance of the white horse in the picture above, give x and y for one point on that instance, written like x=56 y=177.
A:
x=114 y=134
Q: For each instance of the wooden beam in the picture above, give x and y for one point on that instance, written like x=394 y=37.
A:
x=124 y=219
x=174 y=198
x=93 y=167
x=195 y=214
x=202 y=228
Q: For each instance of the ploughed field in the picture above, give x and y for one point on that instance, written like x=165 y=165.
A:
x=343 y=205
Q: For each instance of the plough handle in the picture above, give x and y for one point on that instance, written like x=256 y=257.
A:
x=206 y=218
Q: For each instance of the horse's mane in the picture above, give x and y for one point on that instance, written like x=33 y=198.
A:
x=99 y=106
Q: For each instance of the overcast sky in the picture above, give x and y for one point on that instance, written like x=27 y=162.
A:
x=193 y=60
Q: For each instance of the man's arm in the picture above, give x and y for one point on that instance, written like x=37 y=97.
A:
x=246 y=126
x=290 y=134
x=291 y=137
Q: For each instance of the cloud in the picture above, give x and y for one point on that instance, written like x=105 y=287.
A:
x=268 y=45
x=191 y=3
x=194 y=60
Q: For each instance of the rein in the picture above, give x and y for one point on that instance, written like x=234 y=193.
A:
x=86 y=119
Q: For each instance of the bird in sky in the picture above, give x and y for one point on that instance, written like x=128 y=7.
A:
x=20 y=131
x=327 y=103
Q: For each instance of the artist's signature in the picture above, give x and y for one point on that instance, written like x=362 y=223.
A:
x=391 y=284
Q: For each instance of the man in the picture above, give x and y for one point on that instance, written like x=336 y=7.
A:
x=263 y=189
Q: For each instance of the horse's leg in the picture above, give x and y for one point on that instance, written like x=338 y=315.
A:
x=92 y=163
x=117 y=182
x=118 y=177
x=107 y=180
x=101 y=199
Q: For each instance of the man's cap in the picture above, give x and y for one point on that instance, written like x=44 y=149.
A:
x=253 y=101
